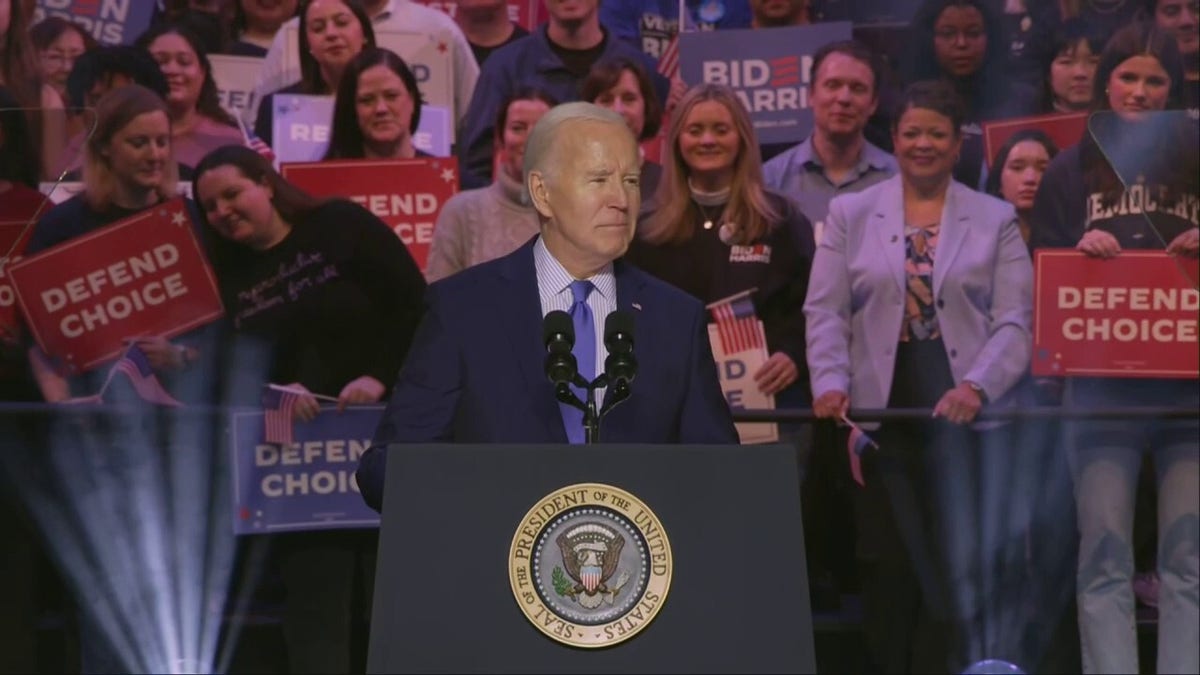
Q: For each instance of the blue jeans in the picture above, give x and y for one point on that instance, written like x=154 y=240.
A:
x=1105 y=457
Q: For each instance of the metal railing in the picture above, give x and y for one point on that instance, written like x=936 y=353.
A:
x=739 y=415
x=999 y=414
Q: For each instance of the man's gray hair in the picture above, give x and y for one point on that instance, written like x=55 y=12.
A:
x=546 y=132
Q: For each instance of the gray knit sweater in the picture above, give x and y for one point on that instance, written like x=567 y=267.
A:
x=480 y=225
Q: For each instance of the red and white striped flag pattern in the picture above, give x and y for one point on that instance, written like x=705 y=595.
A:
x=738 y=325
x=259 y=145
x=590 y=576
x=668 y=63
x=136 y=367
x=278 y=405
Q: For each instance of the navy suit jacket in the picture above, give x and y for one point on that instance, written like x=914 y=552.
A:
x=475 y=371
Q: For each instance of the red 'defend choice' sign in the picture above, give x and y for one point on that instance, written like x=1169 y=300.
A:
x=407 y=194
x=13 y=238
x=1135 y=315
x=144 y=275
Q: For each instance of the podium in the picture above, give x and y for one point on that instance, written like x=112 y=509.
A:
x=447 y=600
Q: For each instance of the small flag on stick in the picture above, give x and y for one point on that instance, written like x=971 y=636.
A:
x=856 y=445
x=136 y=367
x=278 y=406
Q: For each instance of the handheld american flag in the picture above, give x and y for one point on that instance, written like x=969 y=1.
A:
x=737 y=324
x=278 y=404
x=136 y=367
x=856 y=445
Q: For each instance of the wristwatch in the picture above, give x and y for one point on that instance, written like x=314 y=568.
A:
x=978 y=390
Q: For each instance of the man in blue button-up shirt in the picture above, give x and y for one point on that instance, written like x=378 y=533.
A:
x=836 y=158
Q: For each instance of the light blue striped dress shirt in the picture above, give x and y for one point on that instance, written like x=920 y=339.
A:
x=554 y=290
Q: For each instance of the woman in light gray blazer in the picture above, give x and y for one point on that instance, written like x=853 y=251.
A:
x=920 y=297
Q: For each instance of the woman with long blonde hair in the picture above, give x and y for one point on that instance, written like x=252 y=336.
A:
x=716 y=231
x=728 y=160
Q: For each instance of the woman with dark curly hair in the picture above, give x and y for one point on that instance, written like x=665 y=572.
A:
x=961 y=42
x=198 y=122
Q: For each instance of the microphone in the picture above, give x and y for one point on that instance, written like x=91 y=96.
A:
x=558 y=335
x=621 y=366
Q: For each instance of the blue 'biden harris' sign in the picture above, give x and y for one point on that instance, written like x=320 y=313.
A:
x=770 y=69
x=110 y=22
x=308 y=484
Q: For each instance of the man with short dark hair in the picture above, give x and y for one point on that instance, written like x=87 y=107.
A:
x=836 y=158
x=475 y=372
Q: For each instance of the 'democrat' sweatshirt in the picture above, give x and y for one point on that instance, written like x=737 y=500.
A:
x=1143 y=218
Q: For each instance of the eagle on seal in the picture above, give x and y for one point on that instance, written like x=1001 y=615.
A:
x=590 y=553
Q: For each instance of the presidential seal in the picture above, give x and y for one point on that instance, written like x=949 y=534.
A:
x=590 y=565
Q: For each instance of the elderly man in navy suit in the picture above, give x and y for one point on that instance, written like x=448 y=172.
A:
x=475 y=371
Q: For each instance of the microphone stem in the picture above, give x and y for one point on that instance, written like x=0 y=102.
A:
x=591 y=420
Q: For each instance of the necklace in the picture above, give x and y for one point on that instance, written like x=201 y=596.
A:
x=708 y=218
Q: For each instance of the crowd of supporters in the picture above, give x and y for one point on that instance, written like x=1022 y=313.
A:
x=895 y=161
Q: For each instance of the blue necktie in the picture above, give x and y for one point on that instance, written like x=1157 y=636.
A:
x=585 y=356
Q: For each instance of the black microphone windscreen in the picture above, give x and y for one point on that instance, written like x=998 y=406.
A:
x=558 y=326
x=620 y=323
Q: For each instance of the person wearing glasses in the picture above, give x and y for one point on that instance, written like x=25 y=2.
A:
x=960 y=42
x=58 y=43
